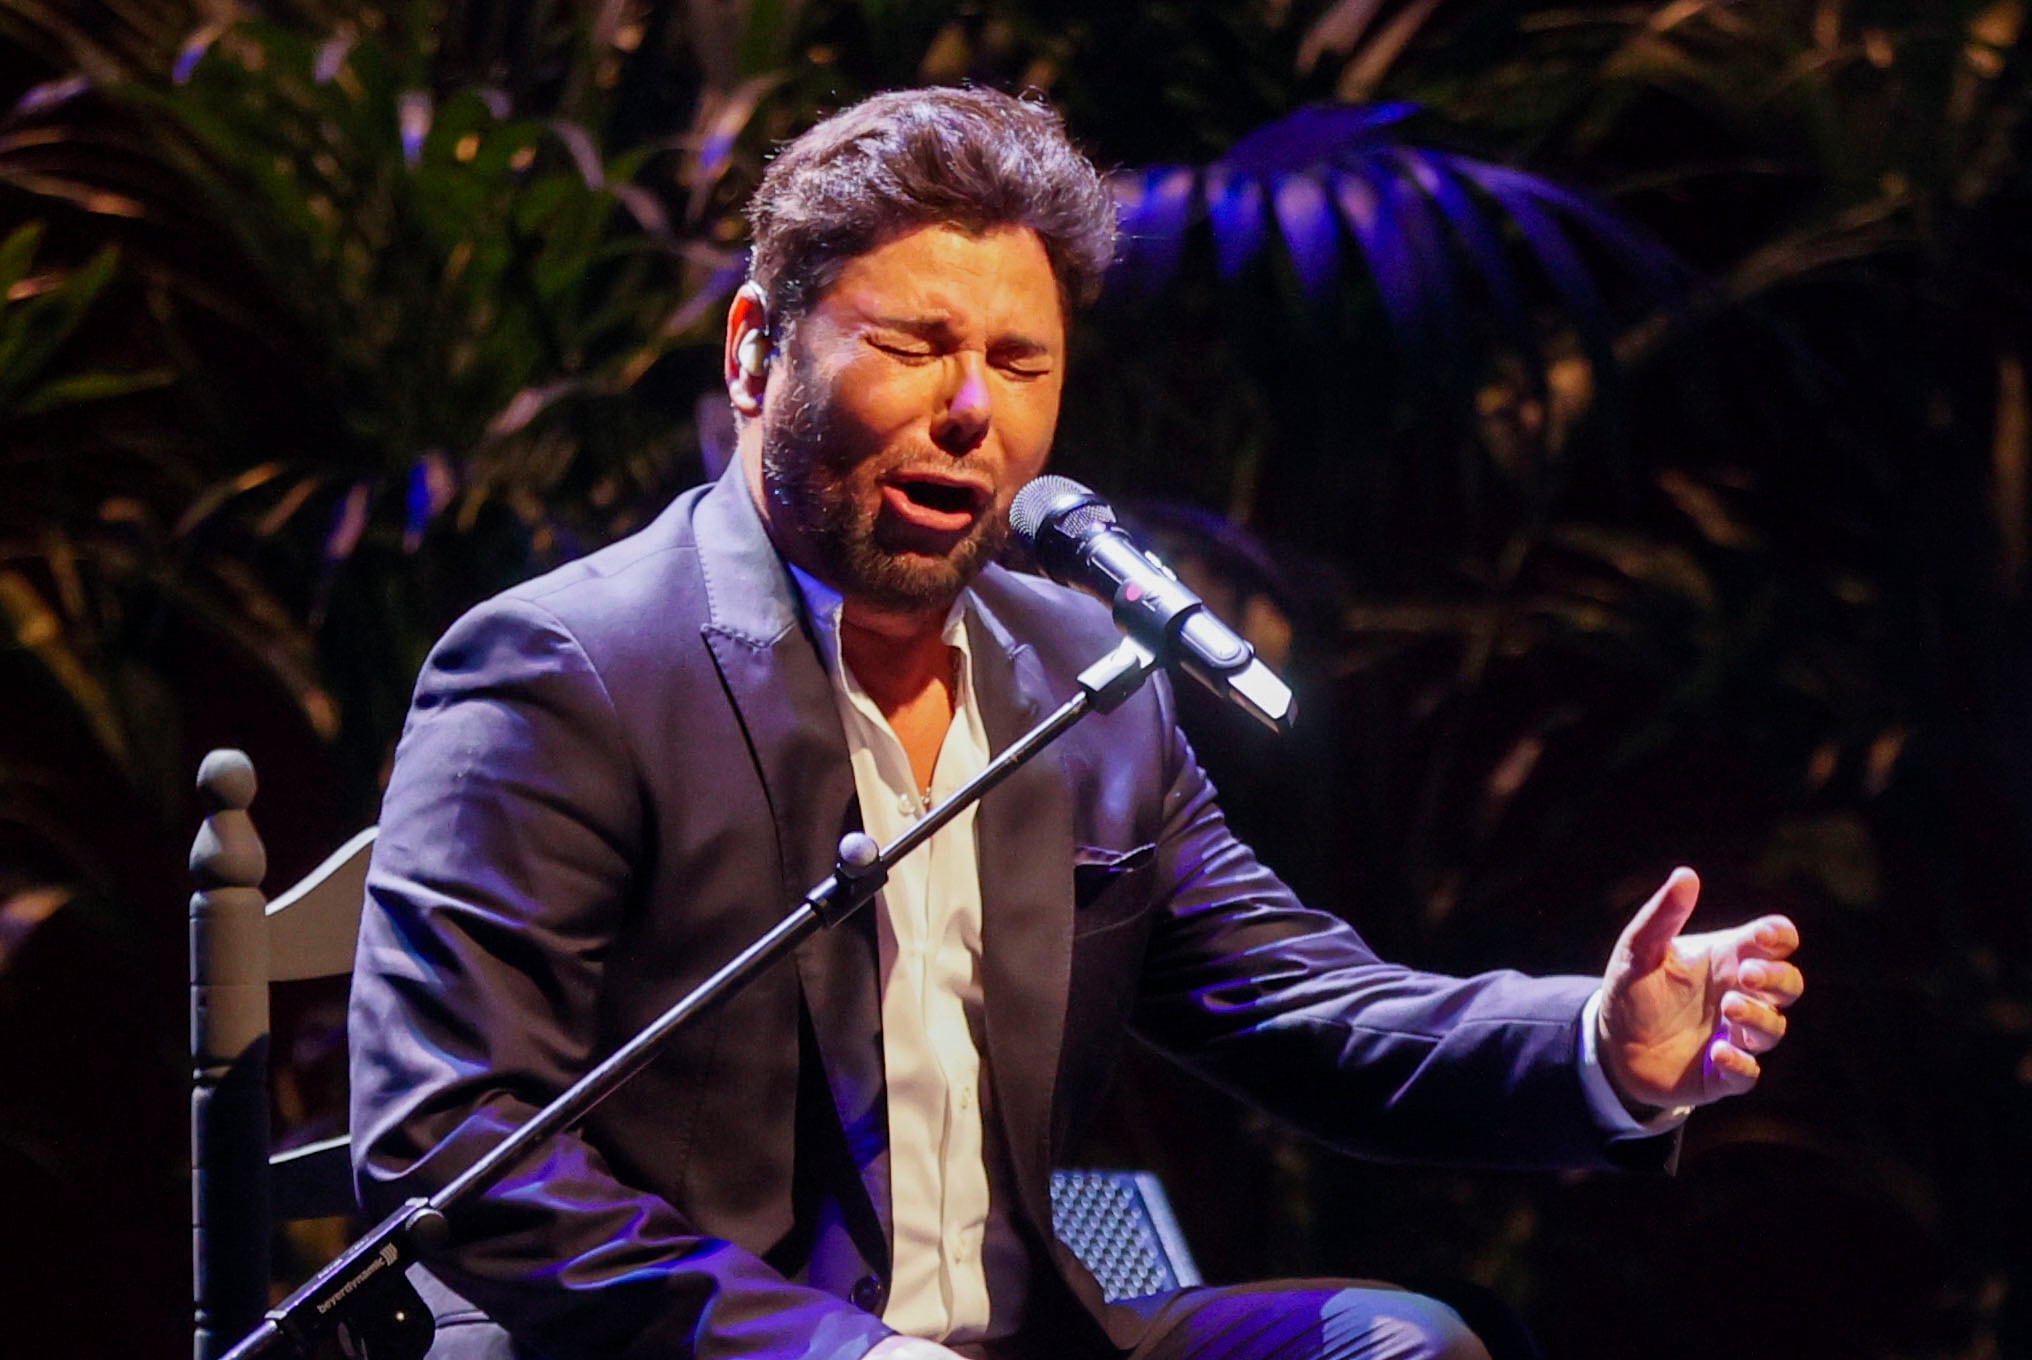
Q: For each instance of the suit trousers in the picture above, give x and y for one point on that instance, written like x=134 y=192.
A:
x=1313 y=1319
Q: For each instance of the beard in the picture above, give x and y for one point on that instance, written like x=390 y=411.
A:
x=826 y=490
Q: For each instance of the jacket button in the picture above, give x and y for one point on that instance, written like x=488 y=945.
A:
x=869 y=1293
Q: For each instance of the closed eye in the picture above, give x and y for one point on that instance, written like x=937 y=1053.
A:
x=1024 y=363
x=905 y=349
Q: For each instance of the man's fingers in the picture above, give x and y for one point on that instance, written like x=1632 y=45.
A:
x=1770 y=937
x=1771 y=980
x=1755 y=1026
x=1730 y=1071
x=1652 y=930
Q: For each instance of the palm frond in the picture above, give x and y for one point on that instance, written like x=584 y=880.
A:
x=1333 y=176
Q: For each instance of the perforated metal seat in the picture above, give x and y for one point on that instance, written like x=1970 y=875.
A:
x=1119 y=1224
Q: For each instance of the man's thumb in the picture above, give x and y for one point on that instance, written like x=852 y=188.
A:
x=1652 y=930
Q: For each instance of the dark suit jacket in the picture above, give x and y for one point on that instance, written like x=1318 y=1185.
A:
x=616 y=776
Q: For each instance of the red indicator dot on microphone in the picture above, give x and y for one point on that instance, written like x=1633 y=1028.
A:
x=1132 y=592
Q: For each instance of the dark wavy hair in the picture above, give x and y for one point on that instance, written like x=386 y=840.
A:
x=968 y=158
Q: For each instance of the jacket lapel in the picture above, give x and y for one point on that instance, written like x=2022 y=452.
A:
x=1024 y=830
x=784 y=700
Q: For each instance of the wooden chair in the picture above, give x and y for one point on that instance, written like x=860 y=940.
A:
x=240 y=943
x=1118 y=1223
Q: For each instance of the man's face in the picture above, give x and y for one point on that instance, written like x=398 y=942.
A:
x=907 y=408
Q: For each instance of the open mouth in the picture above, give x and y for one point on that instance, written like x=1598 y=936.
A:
x=934 y=503
x=941 y=496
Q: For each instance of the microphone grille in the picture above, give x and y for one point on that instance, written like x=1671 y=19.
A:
x=1060 y=503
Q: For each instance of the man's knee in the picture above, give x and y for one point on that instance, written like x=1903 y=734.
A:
x=1373 y=1324
x=1319 y=1319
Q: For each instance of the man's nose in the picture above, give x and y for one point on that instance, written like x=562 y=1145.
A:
x=963 y=424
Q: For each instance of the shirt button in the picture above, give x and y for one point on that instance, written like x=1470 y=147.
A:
x=963 y=1253
x=869 y=1293
x=966 y=1099
x=906 y=805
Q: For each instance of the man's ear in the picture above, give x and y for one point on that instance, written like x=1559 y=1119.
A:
x=749 y=349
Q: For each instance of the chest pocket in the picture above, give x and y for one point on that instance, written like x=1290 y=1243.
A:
x=1109 y=887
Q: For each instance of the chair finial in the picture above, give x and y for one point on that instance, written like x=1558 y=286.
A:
x=226 y=779
x=227 y=852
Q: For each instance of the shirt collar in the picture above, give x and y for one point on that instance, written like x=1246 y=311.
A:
x=822 y=605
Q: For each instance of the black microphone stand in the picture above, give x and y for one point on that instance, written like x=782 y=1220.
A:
x=363 y=1294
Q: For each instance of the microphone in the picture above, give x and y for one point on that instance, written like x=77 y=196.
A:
x=1073 y=535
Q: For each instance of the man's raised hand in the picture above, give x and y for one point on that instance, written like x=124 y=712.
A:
x=1684 y=1017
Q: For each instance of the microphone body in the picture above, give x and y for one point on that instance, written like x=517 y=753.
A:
x=1073 y=535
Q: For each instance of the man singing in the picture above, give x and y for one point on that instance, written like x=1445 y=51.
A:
x=616 y=776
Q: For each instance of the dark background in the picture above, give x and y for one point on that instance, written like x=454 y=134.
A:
x=1625 y=451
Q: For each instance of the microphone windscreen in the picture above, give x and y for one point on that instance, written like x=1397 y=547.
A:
x=1050 y=498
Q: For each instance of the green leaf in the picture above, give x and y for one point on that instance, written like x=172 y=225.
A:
x=80 y=388
x=16 y=254
x=40 y=630
x=32 y=332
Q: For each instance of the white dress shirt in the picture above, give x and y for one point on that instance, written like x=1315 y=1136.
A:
x=928 y=929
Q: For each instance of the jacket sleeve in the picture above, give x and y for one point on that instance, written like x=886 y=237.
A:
x=1289 y=1009
x=509 y=838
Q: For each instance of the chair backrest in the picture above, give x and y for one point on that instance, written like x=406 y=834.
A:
x=239 y=944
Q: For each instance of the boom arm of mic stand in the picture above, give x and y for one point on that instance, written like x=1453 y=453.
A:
x=365 y=1275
